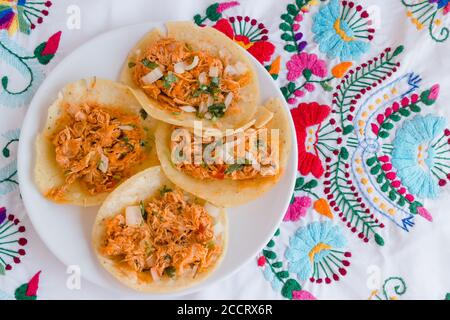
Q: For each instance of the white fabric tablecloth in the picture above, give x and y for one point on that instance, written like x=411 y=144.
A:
x=410 y=265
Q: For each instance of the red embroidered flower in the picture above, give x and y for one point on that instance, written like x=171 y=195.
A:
x=307 y=119
x=250 y=34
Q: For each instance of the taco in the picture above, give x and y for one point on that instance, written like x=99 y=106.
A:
x=190 y=74
x=96 y=135
x=231 y=169
x=154 y=237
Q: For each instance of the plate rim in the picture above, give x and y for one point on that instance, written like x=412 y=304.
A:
x=22 y=165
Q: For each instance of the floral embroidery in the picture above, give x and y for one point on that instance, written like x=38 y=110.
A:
x=27 y=65
x=308 y=118
x=22 y=15
x=28 y=291
x=430 y=14
x=244 y=30
x=313 y=253
x=11 y=136
x=393 y=287
x=11 y=241
x=414 y=156
x=342 y=30
x=305 y=63
x=298 y=208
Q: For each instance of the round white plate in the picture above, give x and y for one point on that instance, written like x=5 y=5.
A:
x=66 y=230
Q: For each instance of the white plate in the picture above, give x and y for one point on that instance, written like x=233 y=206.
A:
x=66 y=230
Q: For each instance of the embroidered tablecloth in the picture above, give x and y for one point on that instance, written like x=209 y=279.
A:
x=368 y=87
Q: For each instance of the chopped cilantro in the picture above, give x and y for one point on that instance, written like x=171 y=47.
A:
x=149 y=64
x=215 y=81
x=170 y=271
x=169 y=79
x=233 y=167
x=117 y=177
x=131 y=64
x=217 y=110
x=143 y=143
x=143 y=114
x=164 y=190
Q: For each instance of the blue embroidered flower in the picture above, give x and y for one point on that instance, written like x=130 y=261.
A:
x=313 y=253
x=414 y=154
x=342 y=31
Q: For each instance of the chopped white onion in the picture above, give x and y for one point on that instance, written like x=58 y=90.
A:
x=229 y=69
x=218 y=228
x=193 y=64
x=212 y=210
x=202 y=78
x=214 y=72
x=126 y=128
x=152 y=76
x=104 y=163
x=133 y=216
x=241 y=68
x=228 y=100
x=210 y=101
x=208 y=116
x=154 y=274
x=202 y=108
x=188 y=109
x=179 y=67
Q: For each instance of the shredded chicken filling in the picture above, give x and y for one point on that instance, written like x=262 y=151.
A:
x=97 y=147
x=175 y=238
x=239 y=157
x=209 y=88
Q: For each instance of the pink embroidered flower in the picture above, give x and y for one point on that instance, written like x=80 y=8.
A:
x=305 y=61
x=302 y=295
x=226 y=5
x=298 y=208
x=261 y=261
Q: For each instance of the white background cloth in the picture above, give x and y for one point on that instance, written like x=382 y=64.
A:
x=421 y=257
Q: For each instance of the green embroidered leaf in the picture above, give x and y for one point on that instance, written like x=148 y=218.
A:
x=385 y=187
x=371 y=161
x=299 y=183
x=413 y=208
x=271 y=243
x=395 y=117
x=290 y=48
x=447 y=296
x=375 y=169
x=310 y=184
x=2 y=270
x=344 y=153
x=348 y=129
x=43 y=59
x=392 y=195
x=284 y=91
x=383 y=134
x=21 y=293
x=289 y=286
x=380 y=178
x=404 y=112
x=401 y=202
x=379 y=240
x=307 y=73
x=287 y=37
x=211 y=12
x=277 y=233
x=283 y=274
x=5 y=82
x=287 y=18
x=269 y=254
x=387 y=126
x=398 y=50
x=198 y=19
x=284 y=27
x=415 y=108
x=291 y=86
x=326 y=86
x=277 y=264
x=292 y=9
